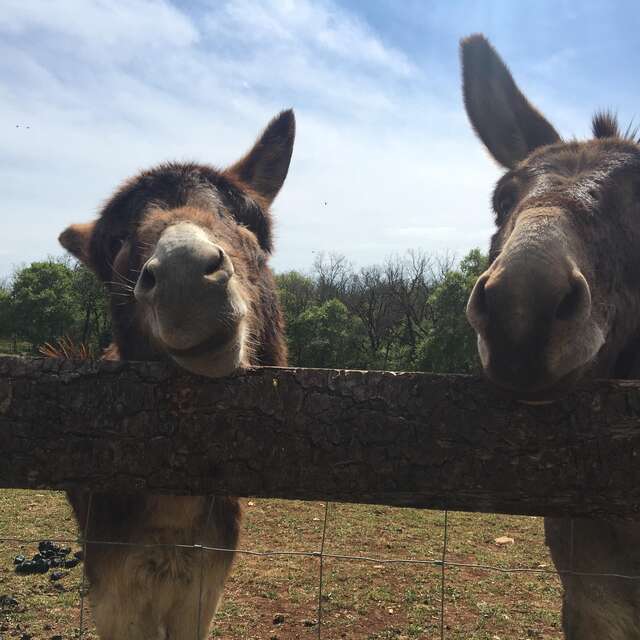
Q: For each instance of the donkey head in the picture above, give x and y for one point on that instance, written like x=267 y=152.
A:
x=183 y=251
x=561 y=294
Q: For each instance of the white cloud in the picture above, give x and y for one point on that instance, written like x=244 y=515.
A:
x=299 y=25
x=421 y=232
x=113 y=24
x=375 y=142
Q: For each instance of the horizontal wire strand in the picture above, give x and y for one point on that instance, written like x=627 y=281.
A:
x=336 y=556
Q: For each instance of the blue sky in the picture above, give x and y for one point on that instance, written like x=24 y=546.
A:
x=384 y=159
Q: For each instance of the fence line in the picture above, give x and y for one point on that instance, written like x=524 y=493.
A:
x=413 y=440
x=443 y=563
x=378 y=437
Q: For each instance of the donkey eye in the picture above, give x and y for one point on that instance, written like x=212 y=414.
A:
x=504 y=203
x=115 y=245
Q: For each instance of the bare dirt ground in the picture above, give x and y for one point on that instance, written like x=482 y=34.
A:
x=276 y=597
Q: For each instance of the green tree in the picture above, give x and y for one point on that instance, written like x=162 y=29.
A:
x=42 y=301
x=52 y=299
x=93 y=321
x=473 y=265
x=6 y=323
x=405 y=314
x=297 y=292
x=450 y=343
x=327 y=335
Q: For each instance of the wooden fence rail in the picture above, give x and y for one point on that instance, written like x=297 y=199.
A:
x=404 y=439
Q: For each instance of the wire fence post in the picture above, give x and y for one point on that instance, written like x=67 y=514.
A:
x=320 y=586
x=201 y=582
x=571 y=569
x=442 y=573
x=84 y=564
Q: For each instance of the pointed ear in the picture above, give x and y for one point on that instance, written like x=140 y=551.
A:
x=76 y=239
x=510 y=127
x=265 y=167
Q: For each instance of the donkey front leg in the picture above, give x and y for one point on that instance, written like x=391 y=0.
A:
x=592 y=558
x=143 y=598
x=192 y=615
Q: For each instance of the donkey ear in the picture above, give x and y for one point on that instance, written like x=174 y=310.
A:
x=76 y=239
x=265 y=167
x=510 y=127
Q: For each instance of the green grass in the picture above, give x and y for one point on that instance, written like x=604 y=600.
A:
x=361 y=599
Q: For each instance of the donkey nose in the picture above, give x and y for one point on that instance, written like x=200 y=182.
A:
x=519 y=308
x=184 y=270
x=499 y=298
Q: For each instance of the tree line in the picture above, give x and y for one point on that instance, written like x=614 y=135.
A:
x=406 y=313
x=52 y=300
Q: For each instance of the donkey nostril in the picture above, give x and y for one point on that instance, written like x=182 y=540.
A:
x=147 y=280
x=480 y=301
x=576 y=302
x=214 y=263
x=477 y=310
x=569 y=304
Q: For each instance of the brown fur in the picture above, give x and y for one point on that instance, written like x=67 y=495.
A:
x=562 y=208
x=152 y=592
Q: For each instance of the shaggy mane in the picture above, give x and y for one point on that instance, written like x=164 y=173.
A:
x=605 y=125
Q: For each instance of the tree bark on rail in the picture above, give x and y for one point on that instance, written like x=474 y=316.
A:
x=404 y=439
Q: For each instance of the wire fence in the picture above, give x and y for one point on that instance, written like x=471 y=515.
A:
x=443 y=563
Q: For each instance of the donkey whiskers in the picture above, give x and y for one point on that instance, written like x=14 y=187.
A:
x=119 y=275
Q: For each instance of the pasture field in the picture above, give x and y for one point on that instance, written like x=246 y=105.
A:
x=275 y=597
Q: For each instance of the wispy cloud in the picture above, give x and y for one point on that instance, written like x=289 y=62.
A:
x=113 y=27
x=109 y=88
x=303 y=27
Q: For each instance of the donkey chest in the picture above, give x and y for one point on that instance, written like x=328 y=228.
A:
x=161 y=564
x=171 y=513
x=170 y=528
x=168 y=531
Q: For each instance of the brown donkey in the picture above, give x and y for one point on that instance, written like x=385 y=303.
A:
x=183 y=250
x=561 y=300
